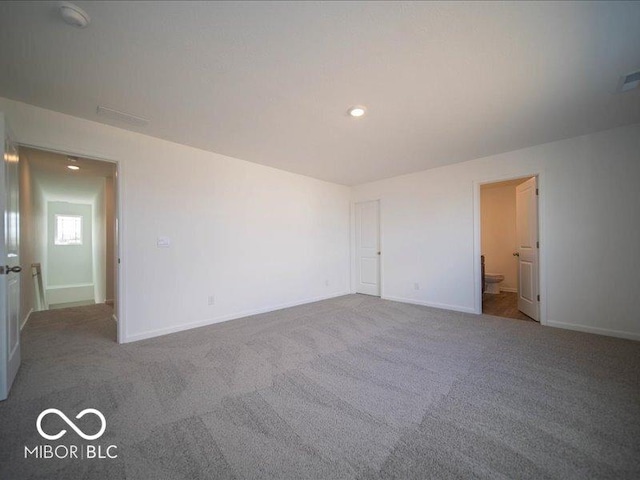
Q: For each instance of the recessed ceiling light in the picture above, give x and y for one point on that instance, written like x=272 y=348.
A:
x=357 y=111
x=73 y=14
x=73 y=167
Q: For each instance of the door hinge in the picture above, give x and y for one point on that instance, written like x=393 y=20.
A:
x=536 y=191
x=537 y=244
x=538 y=297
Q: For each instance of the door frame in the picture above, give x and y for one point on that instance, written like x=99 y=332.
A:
x=542 y=235
x=119 y=269
x=352 y=250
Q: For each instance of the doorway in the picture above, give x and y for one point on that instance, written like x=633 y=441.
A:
x=68 y=222
x=509 y=248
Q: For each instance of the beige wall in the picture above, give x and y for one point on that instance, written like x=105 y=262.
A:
x=498 y=226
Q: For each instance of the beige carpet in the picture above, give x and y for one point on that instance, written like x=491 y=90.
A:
x=354 y=387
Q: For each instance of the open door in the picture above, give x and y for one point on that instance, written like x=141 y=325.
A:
x=528 y=258
x=9 y=264
x=368 y=248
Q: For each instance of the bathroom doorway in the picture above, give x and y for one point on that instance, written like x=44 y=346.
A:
x=509 y=248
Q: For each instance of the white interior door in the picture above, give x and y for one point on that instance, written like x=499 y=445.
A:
x=368 y=248
x=527 y=235
x=9 y=264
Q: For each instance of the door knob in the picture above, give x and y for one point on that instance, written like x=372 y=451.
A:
x=516 y=254
x=9 y=269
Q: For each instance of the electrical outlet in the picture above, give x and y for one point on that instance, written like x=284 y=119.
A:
x=212 y=300
x=416 y=286
x=163 y=242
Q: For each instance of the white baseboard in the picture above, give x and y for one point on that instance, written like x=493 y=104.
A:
x=443 y=306
x=225 y=318
x=509 y=289
x=115 y=319
x=26 y=319
x=597 y=330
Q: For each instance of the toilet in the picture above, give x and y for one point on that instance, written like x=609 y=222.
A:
x=492 y=282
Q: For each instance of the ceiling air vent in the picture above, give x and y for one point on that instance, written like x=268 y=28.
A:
x=121 y=116
x=629 y=82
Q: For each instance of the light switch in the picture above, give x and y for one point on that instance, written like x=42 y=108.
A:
x=164 y=242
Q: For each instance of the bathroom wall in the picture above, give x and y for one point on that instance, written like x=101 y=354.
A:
x=498 y=226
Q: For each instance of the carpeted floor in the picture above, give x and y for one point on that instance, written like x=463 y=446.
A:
x=354 y=387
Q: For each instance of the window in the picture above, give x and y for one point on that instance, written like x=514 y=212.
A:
x=68 y=230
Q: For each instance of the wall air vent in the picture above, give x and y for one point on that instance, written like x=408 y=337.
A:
x=629 y=82
x=121 y=117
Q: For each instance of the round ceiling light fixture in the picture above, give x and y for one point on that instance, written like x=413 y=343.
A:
x=73 y=167
x=73 y=15
x=357 y=111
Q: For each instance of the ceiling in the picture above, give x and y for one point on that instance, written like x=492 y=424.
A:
x=59 y=184
x=506 y=183
x=270 y=82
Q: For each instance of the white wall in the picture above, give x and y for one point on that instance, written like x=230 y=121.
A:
x=254 y=237
x=498 y=212
x=70 y=264
x=70 y=268
x=110 y=247
x=259 y=238
x=590 y=230
x=33 y=233
x=99 y=253
x=27 y=240
x=39 y=237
